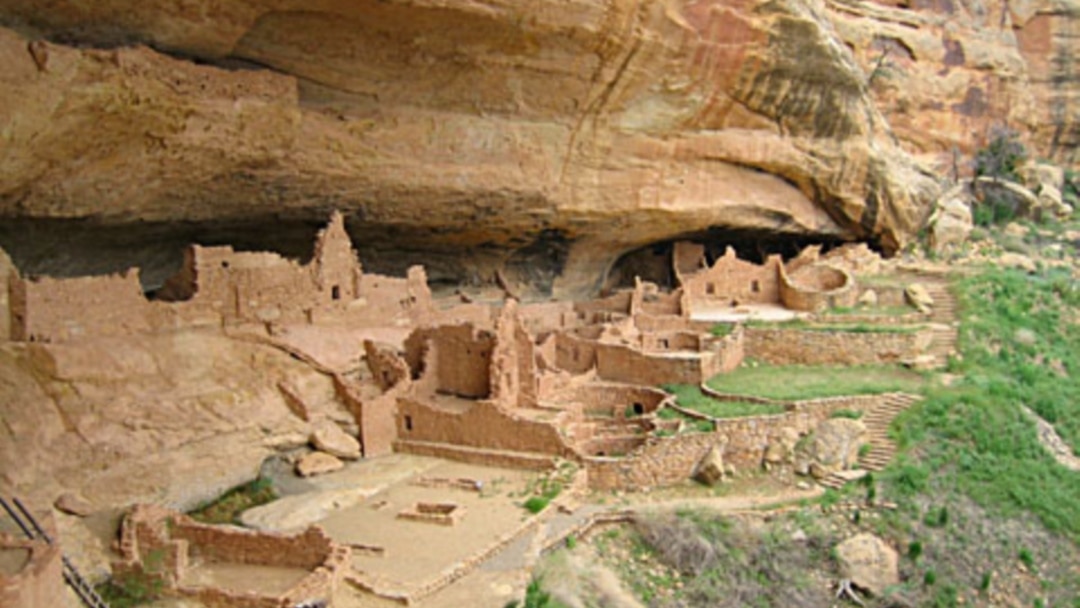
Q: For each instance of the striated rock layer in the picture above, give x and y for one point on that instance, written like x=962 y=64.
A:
x=553 y=135
x=542 y=139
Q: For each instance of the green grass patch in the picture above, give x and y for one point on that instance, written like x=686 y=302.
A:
x=721 y=330
x=227 y=508
x=878 y=311
x=690 y=424
x=973 y=437
x=795 y=382
x=691 y=398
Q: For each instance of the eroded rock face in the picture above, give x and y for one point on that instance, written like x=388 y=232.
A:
x=543 y=139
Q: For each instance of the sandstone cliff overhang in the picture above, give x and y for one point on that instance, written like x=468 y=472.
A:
x=537 y=140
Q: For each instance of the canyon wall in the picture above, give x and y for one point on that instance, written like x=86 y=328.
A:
x=538 y=139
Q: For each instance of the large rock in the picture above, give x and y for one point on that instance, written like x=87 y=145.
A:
x=710 y=469
x=868 y=562
x=951 y=223
x=329 y=438
x=917 y=295
x=835 y=446
x=317 y=463
x=1006 y=194
x=556 y=134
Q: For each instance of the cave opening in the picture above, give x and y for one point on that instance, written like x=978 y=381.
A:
x=653 y=262
x=65 y=248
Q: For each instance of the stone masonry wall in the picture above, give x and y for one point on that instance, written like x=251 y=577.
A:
x=794 y=346
x=817 y=287
x=664 y=461
x=482 y=425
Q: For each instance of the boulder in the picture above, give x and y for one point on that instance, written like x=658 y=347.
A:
x=710 y=469
x=1037 y=175
x=73 y=504
x=1020 y=201
x=1052 y=203
x=329 y=438
x=836 y=445
x=317 y=463
x=951 y=223
x=1016 y=260
x=869 y=298
x=781 y=447
x=917 y=295
x=869 y=563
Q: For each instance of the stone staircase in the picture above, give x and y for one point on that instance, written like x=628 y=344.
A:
x=882 y=448
x=942 y=317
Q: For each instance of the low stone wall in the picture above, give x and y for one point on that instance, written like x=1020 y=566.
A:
x=800 y=346
x=169 y=540
x=817 y=287
x=664 y=461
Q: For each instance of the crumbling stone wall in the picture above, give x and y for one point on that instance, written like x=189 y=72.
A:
x=817 y=287
x=220 y=286
x=482 y=425
x=661 y=358
x=452 y=359
x=160 y=543
x=731 y=281
x=512 y=374
x=53 y=310
x=663 y=461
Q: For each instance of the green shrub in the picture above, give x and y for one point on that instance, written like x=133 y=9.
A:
x=1026 y=558
x=1002 y=155
x=721 y=330
x=227 y=508
x=929 y=578
x=845 y=413
x=536 y=504
x=914 y=550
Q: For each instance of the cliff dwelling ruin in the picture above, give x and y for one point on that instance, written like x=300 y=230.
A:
x=571 y=388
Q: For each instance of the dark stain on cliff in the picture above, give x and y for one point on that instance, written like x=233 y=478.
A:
x=807 y=87
x=974 y=104
x=954 y=53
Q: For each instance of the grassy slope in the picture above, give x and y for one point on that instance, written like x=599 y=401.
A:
x=972 y=437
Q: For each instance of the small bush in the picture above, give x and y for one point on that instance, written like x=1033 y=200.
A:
x=721 y=330
x=228 y=507
x=537 y=504
x=914 y=550
x=845 y=413
x=571 y=542
x=1002 y=155
x=929 y=578
x=1027 y=558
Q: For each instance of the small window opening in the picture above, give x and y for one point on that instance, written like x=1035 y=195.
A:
x=408 y=423
x=225 y=264
x=755 y=286
x=639 y=408
x=335 y=292
x=710 y=289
